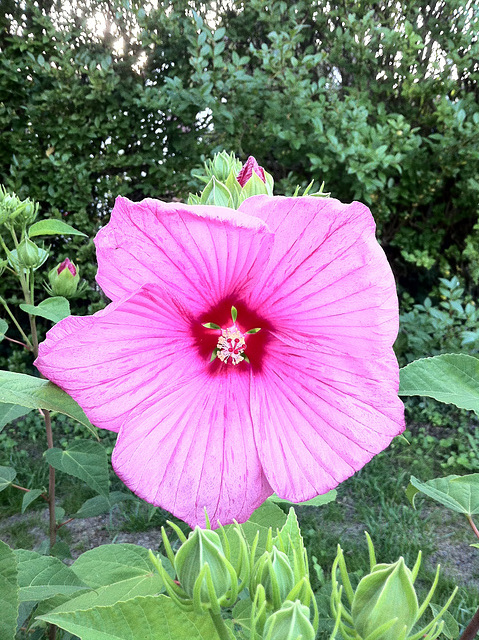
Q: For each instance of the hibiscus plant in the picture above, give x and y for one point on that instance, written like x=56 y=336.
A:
x=245 y=361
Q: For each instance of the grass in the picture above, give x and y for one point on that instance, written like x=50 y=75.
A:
x=372 y=500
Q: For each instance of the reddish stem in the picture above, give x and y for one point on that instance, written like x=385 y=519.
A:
x=472 y=628
x=473 y=526
x=66 y=522
x=17 y=486
x=22 y=344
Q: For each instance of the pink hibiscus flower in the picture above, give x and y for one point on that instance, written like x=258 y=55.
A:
x=295 y=408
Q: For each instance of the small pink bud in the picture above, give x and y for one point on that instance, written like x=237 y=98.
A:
x=247 y=171
x=67 y=264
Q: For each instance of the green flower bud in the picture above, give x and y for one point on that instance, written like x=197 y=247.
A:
x=274 y=572
x=222 y=165
x=29 y=255
x=384 y=595
x=291 y=622
x=203 y=547
x=64 y=279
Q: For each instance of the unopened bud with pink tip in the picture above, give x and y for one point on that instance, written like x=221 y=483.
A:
x=254 y=180
x=64 y=279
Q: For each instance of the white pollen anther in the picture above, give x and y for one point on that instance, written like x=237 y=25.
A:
x=231 y=345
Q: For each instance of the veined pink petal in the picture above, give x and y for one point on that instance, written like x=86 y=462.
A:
x=327 y=280
x=112 y=361
x=320 y=416
x=193 y=448
x=201 y=253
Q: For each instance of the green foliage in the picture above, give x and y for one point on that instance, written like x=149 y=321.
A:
x=446 y=321
x=459 y=493
x=9 y=600
x=449 y=378
x=379 y=101
x=35 y=393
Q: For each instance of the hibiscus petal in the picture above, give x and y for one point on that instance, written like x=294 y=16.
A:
x=202 y=253
x=327 y=281
x=193 y=448
x=320 y=416
x=112 y=361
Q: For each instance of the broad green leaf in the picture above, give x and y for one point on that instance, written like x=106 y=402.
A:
x=451 y=628
x=10 y=412
x=3 y=328
x=314 y=502
x=459 y=493
x=101 y=504
x=115 y=572
x=83 y=459
x=36 y=393
x=7 y=476
x=450 y=378
x=53 y=228
x=41 y=577
x=242 y=614
x=9 y=600
x=54 y=309
x=145 y=617
x=29 y=497
x=113 y=563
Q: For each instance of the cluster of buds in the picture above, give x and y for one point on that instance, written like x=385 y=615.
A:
x=384 y=605
x=281 y=592
x=64 y=279
x=14 y=211
x=228 y=182
x=209 y=576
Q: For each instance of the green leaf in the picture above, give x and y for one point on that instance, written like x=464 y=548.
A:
x=101 y=504
x=459 y=493
x=314 y=502
x=29 y=497
x=41 y=577
x=9 y=600
x=113 y=563
x=83 y=459
x=10 y=412
x=292 y=538
x=115 y=572
x=451 y=628
x=145 y=617
x=242 y=614
x=450 y=378
x=53 y=228
x=54 y=309
x=7 y=476
x=36 y=393
x=3 y=328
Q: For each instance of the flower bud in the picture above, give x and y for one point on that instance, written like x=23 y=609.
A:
x=289 y=623
x=222 y=165
x=250 y=167
x=203 y=547
x=28 y=254
x=64 y=279
x=274 y=572
x=384 y=595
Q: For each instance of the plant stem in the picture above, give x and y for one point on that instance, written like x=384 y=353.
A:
x=220 y=626
x=472 y=628
x=24 y=336
x=473 y=526
x=51 y=481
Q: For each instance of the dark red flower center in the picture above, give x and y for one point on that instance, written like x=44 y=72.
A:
x=226 y=339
